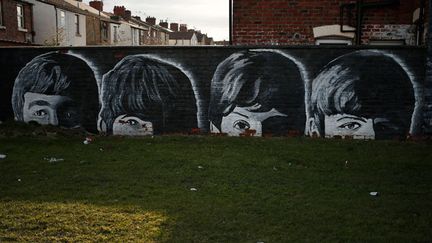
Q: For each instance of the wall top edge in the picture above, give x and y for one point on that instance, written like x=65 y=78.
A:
x=220 y=47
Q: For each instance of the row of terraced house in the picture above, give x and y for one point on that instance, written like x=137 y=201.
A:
x=74 y=23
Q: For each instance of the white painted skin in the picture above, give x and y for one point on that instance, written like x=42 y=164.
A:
x=43 y=109
x=349 y=125
x=131 y=126
x=245 y=118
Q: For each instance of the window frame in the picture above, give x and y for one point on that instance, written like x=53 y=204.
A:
x=104 y=30
x=333 y=41
x=62 y=21
x=115 y=30
x=20 y=16
x=77 y=25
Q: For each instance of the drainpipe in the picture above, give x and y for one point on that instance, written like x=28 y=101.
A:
x=230 y=22
x=359 y=17
x=360 y=8
x=32 y=24
x=427 y=109
x=56 y=23
x=420 y=25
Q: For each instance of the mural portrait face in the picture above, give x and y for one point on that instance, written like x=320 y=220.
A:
x=259 y=91
x=144 y=96
x=131 y=126
x=50 y=110
x=56 y=89
x=365 y=95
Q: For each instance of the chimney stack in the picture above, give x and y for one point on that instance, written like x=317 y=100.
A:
x=174 y=27
x=151 y=20
x=163 y=24
x=119 y=11
x=183 y=27
x=96 y=5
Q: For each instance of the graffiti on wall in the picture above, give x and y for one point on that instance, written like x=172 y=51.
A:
x=366 y=94
x=56 y=89
x=144 y=96
x=259 y=91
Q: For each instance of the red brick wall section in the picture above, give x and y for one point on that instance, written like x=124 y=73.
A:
x=9 y=33
x=292 y=21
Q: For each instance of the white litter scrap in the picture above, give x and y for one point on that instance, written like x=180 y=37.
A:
x=374 y=194
x=200 y=167
x=3 y=156
x=53 y=160
x=87 y=141
x=194 y=189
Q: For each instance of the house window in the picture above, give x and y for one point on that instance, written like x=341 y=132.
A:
x=115 y=30
x=331 y=35
x=135 y=37
x=105 y=30
x=77 y=24
x=62 y=19
x=20 y=16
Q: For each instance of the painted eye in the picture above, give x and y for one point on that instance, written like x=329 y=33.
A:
x=241 y=125
x=350 y=126
x=40 y=113
x=132 y=122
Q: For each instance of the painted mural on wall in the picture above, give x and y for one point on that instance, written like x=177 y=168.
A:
x=56 y=89
x=257 y=91
x=365 y=94
x=144 y=96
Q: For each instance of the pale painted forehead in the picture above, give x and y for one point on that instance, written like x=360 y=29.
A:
x=258 y=116
x=52 y=99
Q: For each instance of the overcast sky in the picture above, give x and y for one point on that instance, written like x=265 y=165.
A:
x=209 y=16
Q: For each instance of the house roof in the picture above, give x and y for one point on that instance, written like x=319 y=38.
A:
x=64 y=5
x=181 y=35
x=162 y=29
x=77 y=7
x=92 y=11
x=200 y=36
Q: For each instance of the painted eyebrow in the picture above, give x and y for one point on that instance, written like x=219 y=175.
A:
x=234 y=112
x=352 y=117
x=39 y=102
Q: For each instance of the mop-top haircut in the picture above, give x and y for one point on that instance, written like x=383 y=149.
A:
x=365 y=84
x=265 y=79
x=54 y=73
x=151 y=90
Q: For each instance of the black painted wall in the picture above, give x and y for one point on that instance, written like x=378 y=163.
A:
x=324 y=91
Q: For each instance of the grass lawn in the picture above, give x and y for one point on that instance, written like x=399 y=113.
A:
x=247 y=189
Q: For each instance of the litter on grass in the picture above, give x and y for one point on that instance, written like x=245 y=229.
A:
x=2 y=156
x=373 y=194
x=53 y=160
x=194 y=189
x=88 y=140
x=200 y=167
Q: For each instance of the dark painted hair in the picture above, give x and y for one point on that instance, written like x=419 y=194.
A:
x=366 y=84
x=267 y=78
x=59 y=74
x=151 y=90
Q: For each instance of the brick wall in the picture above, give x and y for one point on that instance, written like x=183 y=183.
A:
x=292 y=21
x=231 y=90
x=9 y=33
